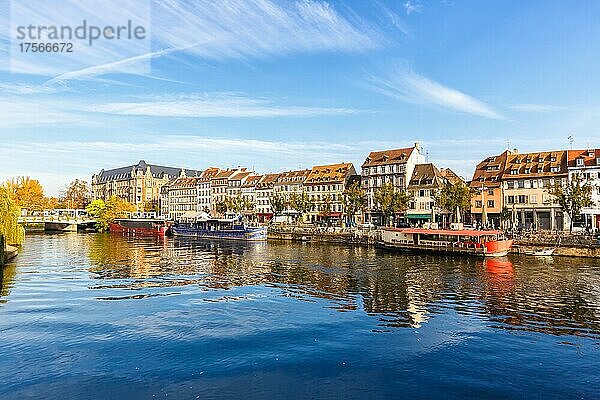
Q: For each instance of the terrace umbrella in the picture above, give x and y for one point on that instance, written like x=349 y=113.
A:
x=458 y=214
x=483 y=216
x=433 y=214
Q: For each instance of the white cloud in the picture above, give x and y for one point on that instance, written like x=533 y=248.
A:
x=212 y=105
x=26 y=89
x=537 y=108
x=413 y=7
x=406 y=85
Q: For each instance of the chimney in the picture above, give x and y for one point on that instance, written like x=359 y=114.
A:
x=418 y=146
x=515 y=151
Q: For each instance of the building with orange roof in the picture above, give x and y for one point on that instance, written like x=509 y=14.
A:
x=219 y=183
x=388 y=166
x=248 y=189
x=325 y=186
x=289 y=183
x=586 y=163
x=486 y=187
x=264 y=191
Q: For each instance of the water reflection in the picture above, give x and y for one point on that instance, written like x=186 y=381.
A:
x=557 y=297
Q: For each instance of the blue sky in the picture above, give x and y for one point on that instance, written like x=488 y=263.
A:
x=274 y=85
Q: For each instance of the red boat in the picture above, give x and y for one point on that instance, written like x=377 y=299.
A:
x=134 y=226
x=470 y=242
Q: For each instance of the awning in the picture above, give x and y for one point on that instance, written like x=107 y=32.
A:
x=330 y=214
x=418 y=216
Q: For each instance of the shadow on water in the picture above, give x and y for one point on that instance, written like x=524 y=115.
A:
x=554 y=296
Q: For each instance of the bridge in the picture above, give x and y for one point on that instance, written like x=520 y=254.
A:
x=65 y=220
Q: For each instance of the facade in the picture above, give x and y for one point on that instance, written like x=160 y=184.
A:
x=425 y=183
x=138 y=184
x=263 y=192
x=388 y=166
x=204 y=189
x=525 y=183
x=288 y=183
x=248 y=189
x=219 y=184
x=487 y=199
x=234 y=187
x=180 y=196
x=325 y=186
x=586 y=163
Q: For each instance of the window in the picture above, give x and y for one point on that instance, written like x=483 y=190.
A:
x=580 y=162
x=521 y=184
x=527 y=170
x=422 y=193
x=510 y=185
x=491 y=203
x=478 y=203
x=554 y=169
x=491 y=191
x=514 y=171
x=553 y=159
x=522 y=199
x=510 y=199
x=533 y=199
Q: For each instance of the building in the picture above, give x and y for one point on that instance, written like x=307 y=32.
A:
x=388 y=166
x=486 y=187
x=586 y=163
x=426 y=182
x=219 y=185
x=138 y=184
x=525 y=183
x=204 y=189
x=325 y=186
x=289 y=183
x=235 y=182
x=263 y=193
x=180 y=196
x=248 y=190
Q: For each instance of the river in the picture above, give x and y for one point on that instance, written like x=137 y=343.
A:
x=98 y=316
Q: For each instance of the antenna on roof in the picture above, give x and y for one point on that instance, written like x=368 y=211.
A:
x=426 y=156
x=570 y=137
x=507 y=144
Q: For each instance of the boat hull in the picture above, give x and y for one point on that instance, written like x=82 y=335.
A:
x=248 y=234
x=142 y=228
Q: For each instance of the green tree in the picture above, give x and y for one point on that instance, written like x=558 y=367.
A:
x=390 y=201
x=355 y=200
x=221 y=207
x=9 y=213
x=151 y=206
x=278 y=203
x=106 y=212
x=454 y=198
x=76 y=194
x=301 y=203
x=505 y=216
x=238 y=204
x=571 y=198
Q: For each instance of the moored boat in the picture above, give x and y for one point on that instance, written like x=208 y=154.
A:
x=204 y=226
x=464 y=241
x=139 y=226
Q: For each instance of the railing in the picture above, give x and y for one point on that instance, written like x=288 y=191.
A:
x=57 y=219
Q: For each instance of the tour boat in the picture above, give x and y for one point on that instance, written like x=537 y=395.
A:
x=463 y=241
x=139 y=226
x=204 y=226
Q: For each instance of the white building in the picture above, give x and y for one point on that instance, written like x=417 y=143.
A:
x=388 y=166
x=263 y=192
x=587 y=164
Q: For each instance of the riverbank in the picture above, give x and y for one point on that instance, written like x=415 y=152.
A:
x=570 y=245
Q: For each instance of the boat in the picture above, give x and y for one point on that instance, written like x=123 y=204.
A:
x=139 y=226
x=461 y=241
x=539 y=253
x=201 y=225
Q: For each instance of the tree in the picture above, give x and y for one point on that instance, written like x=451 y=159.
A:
x=221 y=207
x=355 y=199
x=26 y=192
x=76 y=194
x=278 y=203
x=238 y=204
x=571 y=198
x=106 y=212
x=454 y=198
x=390 y=201
x=52 y=203
x=9 y=213
x=505 y=216
x=301 y=203
x=151 y=206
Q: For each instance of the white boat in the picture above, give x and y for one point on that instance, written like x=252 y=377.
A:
x=544 y=252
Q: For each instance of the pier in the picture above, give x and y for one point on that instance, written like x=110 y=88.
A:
x=64 y=220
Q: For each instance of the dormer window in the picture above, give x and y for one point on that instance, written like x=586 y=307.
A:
x=540 y=159
x=580 y=162
x=555 y=169
x=517 y=161
x=514 y=171
x=590 y=153
x=598 y=161
x=553 y=159
x=527 y=170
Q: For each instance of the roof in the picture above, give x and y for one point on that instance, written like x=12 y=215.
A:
x=240 y=175
x=252 y=180
x=227 y=173
x=183 y=182
x=292 y=177
x=267 y=181
x=209 y=173
x=447 y=232
x=489 y=171
x=536 y=164
x=451 y=176
x=157 y=171
x=334 y=173
x=591 y=158
x=384 y=157
x=426 y=175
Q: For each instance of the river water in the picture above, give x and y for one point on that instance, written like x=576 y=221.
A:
x=98 y=316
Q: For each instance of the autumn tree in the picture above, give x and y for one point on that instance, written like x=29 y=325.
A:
x=454 y=198
x=278 y=203
x=221 y=207
x=573 y=197
x=76 y=194
x=355 y=200
x=301 y=203
x=106 y=212
x=390 y=201
x=26 y=192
